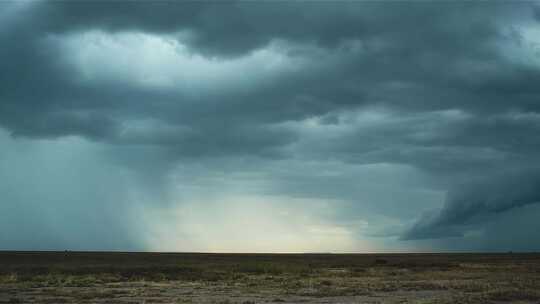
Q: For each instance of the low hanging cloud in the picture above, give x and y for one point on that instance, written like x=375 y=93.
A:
x=470 y=204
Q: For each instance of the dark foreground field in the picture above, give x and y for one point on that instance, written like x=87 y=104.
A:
x=77 y=277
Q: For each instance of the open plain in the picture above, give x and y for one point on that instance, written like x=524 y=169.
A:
x=115 y=277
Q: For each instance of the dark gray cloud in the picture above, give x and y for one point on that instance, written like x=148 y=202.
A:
x=475 y=201
x=286 y=92
x=386 y=53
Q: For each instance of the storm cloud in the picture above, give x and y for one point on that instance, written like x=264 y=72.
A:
x=369 y=125
x=472 y=202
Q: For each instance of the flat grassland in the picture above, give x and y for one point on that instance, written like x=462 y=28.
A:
x=108 y=277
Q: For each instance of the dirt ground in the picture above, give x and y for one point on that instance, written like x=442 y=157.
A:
x=77 y=277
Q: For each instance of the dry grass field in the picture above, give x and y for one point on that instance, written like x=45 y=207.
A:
x=104 y=277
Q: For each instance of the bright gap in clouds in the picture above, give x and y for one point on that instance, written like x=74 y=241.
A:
x=164 y=62
x=522 y=44
x=236 y=223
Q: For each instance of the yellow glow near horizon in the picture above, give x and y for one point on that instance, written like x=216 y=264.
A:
x=251 y=224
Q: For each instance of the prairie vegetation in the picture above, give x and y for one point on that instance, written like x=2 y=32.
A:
x=105 y=277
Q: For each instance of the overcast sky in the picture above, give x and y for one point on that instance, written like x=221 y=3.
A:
x=270 y=126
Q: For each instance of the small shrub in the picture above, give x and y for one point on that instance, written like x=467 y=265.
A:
x=326 y=283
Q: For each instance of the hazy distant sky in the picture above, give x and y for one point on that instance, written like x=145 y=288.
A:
x=270 y=126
